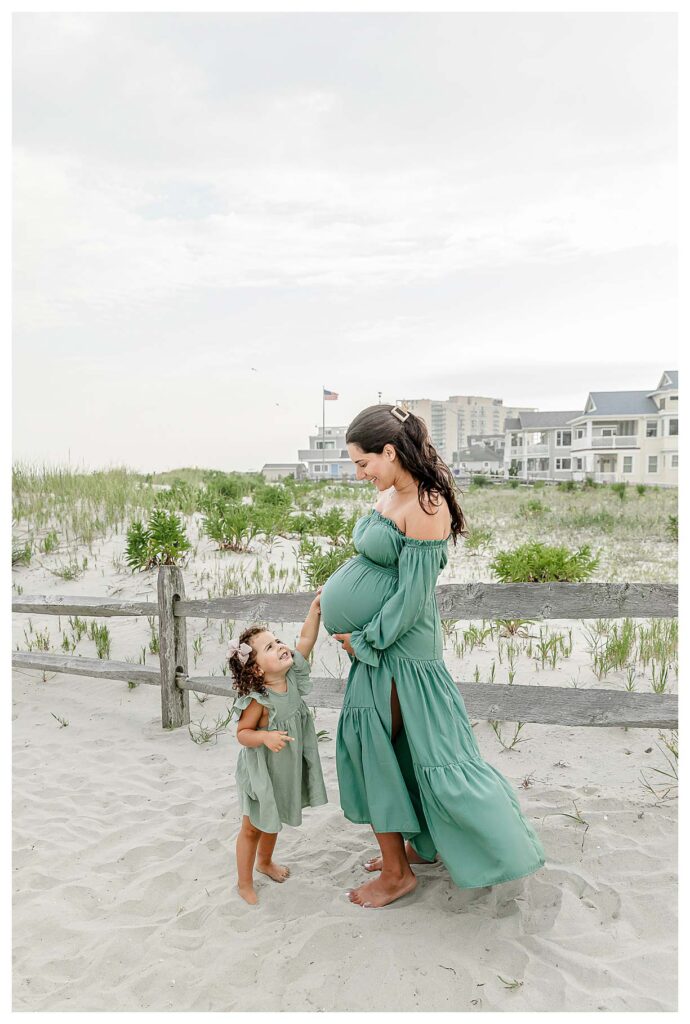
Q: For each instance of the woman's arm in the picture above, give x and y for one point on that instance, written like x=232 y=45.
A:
x=418 y=569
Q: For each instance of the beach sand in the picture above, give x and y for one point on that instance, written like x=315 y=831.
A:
x=124 y=846
x=123 y=879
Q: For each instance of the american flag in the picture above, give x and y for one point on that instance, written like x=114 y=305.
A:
x=329 y=396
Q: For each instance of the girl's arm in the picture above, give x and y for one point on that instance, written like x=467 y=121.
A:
x=247 y=732
x=310 y=629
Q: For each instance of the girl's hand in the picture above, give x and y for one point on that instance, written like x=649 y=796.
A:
x=276 y=740
x=344 y=638
x=316 y=603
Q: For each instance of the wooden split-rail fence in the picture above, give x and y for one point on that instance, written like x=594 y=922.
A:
x=553 y=705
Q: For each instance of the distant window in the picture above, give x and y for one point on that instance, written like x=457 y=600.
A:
x=580 y=432
x=578 y=463
x=564 y=438
x=673 y=428
x=651 y=428
x=662 y=403
x=674 y=461
x=563 y=463
x=627 y=463
x=652 y=464
x=673 y=398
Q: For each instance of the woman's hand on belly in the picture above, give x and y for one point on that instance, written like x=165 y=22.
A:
x=344 y=639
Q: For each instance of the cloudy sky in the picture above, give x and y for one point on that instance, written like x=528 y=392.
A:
x=217 y=214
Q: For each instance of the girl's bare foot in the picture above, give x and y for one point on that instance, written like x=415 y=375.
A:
x=381 y=891
x=278 y=872
x=247 y=893
x=376 y=863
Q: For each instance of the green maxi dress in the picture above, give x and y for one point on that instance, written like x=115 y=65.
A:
x=432 y=785
x=273 y=787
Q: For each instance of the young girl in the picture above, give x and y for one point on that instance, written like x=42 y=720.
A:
x=278 y=768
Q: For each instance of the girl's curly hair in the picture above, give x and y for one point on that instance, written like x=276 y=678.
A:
x=247 y=677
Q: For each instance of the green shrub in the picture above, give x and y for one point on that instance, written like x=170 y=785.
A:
x=318 y=566
x=180 y=497
x=513 y=483
x=640 y=488
x=21 y=556
x=478 y=538
x=565 y=485
x=161 y=542
x=50 y=542
x=334 y=524
x=672 y=527
x=535 y=562
x=231 y=525
x=621 y=489
x=532 y=507
x=479 y=480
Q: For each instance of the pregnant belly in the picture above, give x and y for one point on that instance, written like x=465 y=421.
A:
x=353 y=595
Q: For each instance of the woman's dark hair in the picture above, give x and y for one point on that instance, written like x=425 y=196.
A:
x=376 y=426
x=247 y=677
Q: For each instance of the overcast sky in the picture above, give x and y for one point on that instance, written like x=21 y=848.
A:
x=217 y=214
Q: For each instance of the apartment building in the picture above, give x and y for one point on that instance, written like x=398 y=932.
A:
x=327 y=457
x=453 y=421
x=538 y=445
x=629 y=435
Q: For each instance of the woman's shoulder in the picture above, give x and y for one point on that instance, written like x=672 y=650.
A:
x=430 y=512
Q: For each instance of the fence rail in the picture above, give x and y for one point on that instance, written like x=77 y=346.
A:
x=554 y=705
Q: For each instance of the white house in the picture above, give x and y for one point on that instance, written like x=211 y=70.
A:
x=629 y=435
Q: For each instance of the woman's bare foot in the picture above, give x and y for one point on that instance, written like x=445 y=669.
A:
x=383 y=890
x=376 y=863
x=247 y=893
x=278 y=872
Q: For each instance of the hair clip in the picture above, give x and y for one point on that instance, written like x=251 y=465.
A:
x=401 y=414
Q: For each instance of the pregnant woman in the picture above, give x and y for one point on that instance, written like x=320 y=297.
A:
x=407 y=760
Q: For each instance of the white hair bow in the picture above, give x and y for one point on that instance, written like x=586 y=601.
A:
x=241 y=650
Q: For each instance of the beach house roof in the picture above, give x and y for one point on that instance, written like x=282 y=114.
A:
x=618 y=403
x=668 y=382
x=541 y=420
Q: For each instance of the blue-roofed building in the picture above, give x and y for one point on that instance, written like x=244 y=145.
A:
x=538 y=445
x=629 y=435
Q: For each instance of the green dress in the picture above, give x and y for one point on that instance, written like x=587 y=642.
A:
x=432 y=785
x=273 y=787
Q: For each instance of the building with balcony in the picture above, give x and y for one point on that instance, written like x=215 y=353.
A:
x=629 y=435
x=327 y=456
x=537 y=445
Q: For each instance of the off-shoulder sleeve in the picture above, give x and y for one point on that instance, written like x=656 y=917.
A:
x=299 y=671
x=418 y=569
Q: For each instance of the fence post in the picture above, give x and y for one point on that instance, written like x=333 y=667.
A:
x=172 y=633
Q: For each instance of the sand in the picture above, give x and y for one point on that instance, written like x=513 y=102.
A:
x=123 y=870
